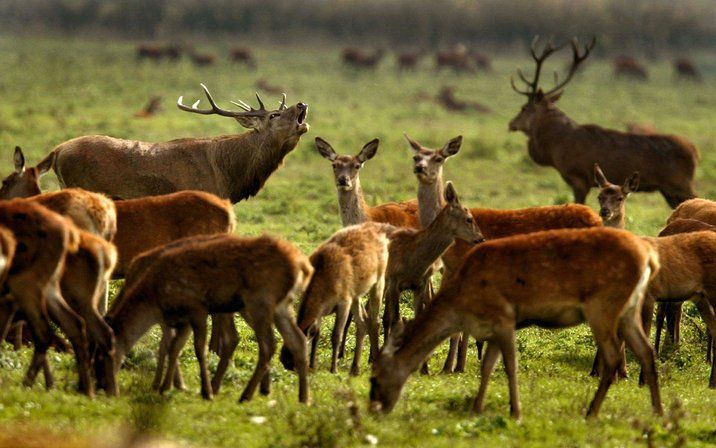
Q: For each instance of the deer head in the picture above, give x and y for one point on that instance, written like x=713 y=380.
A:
x=461 y=222
x=24 y=182
x=388 y=376
x=346 y=168
x=537 y=99
x=612 y=198
x=428 y=163
x=285 y=124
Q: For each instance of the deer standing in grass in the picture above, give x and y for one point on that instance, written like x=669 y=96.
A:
x=686 y=68
x=233 y=167
x=349 y=265
x=612 y=198
x=665 y=162
x=428 y=168
x=256 y=277
x=630 y=67
x=536 y=279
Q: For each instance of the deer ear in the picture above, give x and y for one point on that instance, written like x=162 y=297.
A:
x=256 y=123
x=19 y=159
x=451 y=194
x=325 y=149
x=554 y=97
x=452 y=147
x=415 y=146
x=599 y=177
x=631 y=183
x=394 y=339
x=369 y=150
x=46 y=164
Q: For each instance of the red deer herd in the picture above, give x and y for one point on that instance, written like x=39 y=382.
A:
x=160 y=216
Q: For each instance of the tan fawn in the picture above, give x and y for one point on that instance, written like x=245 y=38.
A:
x=351 y=203
x=666 y=163
x=612 y=198
x=256 y=277
x=536 y=279
x=349 y=265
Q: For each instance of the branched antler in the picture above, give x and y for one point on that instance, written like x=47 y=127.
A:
x=248 y=111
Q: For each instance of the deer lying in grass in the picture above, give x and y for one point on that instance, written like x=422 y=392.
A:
x=629 y=66
x=665 y=162
x=353 y=207
x=612 y=198
x=257 y=277
x=348 y=265
x=413 y=253
x=428 y=168
x=409 y=60
x=243 y=55
x=686 y=68
x=233 y=167
x=360 y=58
x=536 y=279
x=44 y=239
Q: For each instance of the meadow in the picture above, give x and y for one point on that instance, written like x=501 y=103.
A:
x=56 y=89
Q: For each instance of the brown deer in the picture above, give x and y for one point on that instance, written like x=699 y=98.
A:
x=152 y=108
x=630 y=67
x=428 y=168
x=43 y=239
x=243 y=55
x=351 y=203
x=456 y=58
x=481 y=60
x=257 y=277
x=233 y=167
x=665 y=163
x=413 y=253
x=686 y=68
x=447 y=99
x=266 y=86
x=360 y=58
x=537 y=279
x=203 y=59
x=612 y=198
x=151 y=52
x=409 y=60
x=350 y=264
x=640 y=128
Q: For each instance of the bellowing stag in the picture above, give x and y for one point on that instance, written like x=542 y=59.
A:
x=233 y=167
x=665 y=162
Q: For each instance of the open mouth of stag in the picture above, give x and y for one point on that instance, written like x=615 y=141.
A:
x=302 y=115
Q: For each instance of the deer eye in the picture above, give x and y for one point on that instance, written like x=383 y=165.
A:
x=438 y=159
x=469 y=220
x=620 y=199
x=274 y=115
x=357 y=166
x=416 y=158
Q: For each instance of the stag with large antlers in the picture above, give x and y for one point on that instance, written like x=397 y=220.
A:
x=234 y=167
x=666 y=163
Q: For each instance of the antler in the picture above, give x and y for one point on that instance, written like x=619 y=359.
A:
x=548 y=49
x=248 y=111
x=577 y=59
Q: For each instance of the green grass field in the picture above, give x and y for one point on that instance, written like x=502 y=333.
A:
x=56 y=89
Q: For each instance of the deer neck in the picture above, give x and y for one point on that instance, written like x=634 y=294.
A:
x=432 y=241
x=352 y=206
x=430 y=200
x=616 y=221
x=130 y=324
x=548 y=133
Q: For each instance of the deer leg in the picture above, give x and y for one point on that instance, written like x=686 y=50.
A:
x=8 y=309
x=17 y=339
x=580 y=189
x=639 y=344
x=260 y=320
x=608 y=354
x=361 y=329
x=647 y=313
x=661 y=310
x=342 y=349
x=449 y=366
x=103 y=338
x=674 y=311
x=341 y=319
x=230 y=339
x=374 y=303
x=314 y=349
x=478 y=346
x=295 y=341
x=165 y=342
x=492 y=355
x=462 y=353
x=175 y=346
x=392 y=307
x=198 y=325
x=707 y=313
x=506 y=342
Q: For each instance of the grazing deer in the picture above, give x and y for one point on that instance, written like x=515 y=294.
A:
x=151 y=52
x=456 y=58
x=447 y=99
x=408 y=60
x=350 y=264
x=43 y=239
x=351 y=203
x=233 y=167
x=630 y=67
x=266 y=86
x=203 y=59
x=153 y=106
x=665 y=163
x=413 y=253
x=536 y=279
x=257 y=277
x=612 y=198
x=481 y=60
x=686 y=68
x=243 y=55
x=360 y=58
x=428 y=168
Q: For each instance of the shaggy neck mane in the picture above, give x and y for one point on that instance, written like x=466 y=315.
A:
x=548 y=129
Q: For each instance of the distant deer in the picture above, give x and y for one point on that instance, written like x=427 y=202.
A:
x=360 y=58
x=243 y=55
x=629 y=66
x=257 y=277
x=151 y=52
x=448 y=100
x=665 y=163
x=232 y=167
x=428 y=168
x=686 y=68
x=351 y=203
x=264 y=85
x=536 y=279
x=152 y=107
x=456 y=58
x=612 y=198
x=350 y=264
x=409 y=60
x=203 y=59
x=481 y=60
